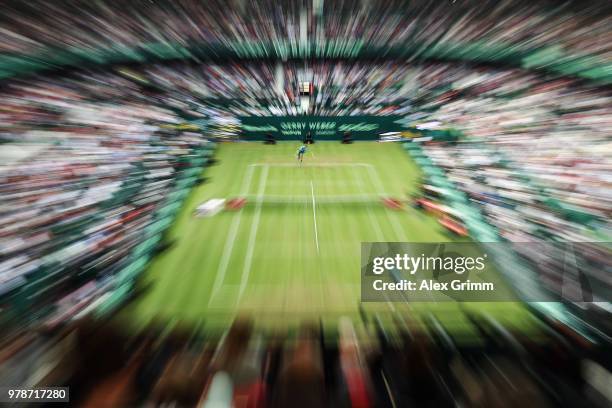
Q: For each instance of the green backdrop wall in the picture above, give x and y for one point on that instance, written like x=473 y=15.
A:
x=321 y=127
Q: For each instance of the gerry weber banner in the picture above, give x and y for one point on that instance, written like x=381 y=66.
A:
x=320 y=127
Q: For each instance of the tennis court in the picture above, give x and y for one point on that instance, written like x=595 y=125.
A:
x=293 y=251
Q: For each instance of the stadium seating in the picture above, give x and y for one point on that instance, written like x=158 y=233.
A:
x=89 y=204
x=109 y=114
x=560 y=39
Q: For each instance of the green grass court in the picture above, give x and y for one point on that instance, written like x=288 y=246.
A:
x=293 y=252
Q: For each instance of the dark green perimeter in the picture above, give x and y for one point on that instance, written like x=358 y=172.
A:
x=263 y=261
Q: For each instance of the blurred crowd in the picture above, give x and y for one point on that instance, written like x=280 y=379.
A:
x=533 y=149
x=577 y=28
x=244 y=89
x=397 y=364
x=95 y=163
x=87 y=162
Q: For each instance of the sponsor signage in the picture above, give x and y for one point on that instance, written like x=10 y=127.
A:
x=320 y=127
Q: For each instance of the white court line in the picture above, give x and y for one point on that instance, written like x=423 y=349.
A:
x=231 y=238
x=375 y=177
x=254 y=226
x=314 y=215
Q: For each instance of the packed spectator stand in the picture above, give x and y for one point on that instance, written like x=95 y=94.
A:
x=103 y=174
x=108 y=153
x=569 y=38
